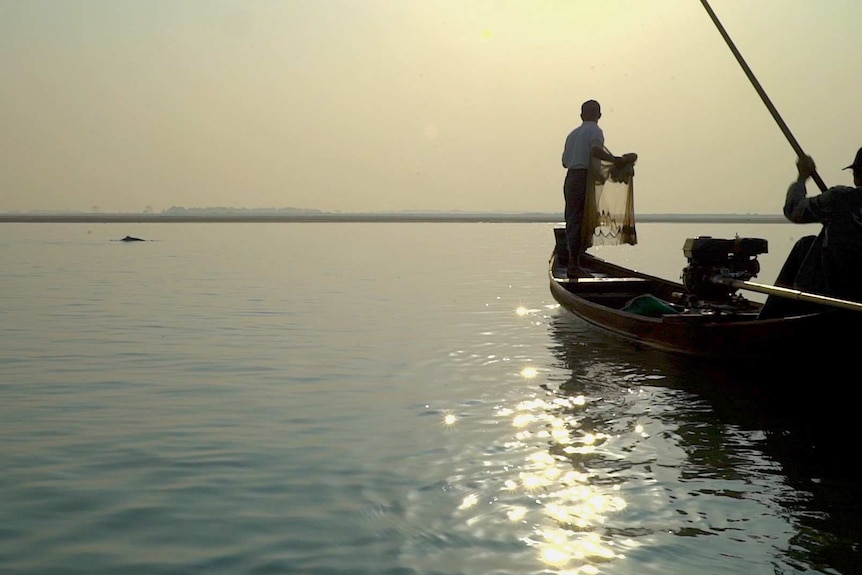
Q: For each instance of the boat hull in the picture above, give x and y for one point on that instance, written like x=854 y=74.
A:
x=720 y=331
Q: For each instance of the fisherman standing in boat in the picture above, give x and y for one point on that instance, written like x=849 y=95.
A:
x=584 y=143
x=830 y=263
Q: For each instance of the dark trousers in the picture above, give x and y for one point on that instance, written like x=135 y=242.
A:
x=791 y=266
x=575 y=194
x=777 y=306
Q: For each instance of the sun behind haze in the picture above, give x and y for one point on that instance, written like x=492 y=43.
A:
x=451 y=105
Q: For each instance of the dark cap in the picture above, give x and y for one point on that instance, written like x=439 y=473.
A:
x=857 y=162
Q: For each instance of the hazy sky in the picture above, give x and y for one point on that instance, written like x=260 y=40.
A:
x=378 y=105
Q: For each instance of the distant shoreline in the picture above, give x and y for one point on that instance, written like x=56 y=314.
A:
x=368 y=217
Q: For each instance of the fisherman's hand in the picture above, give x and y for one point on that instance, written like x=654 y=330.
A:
x=806 y=167
x=630 y=158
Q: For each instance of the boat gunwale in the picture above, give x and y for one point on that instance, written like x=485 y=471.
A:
x=636 y=328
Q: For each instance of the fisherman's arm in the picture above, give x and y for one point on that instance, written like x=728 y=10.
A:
x=604 y=154
x=797 y=206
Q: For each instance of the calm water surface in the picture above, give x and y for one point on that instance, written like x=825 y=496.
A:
x=388 y=399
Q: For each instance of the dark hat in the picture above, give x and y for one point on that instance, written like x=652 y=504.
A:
x=857 y=162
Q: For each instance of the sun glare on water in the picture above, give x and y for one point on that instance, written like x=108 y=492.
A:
x=562 y=508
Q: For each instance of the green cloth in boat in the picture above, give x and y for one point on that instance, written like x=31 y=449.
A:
x=648 y=305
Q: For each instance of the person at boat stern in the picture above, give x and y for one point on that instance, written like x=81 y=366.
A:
x=584 y=143
x=829 y=263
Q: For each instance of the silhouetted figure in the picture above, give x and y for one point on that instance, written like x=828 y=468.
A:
x=584 y=143
x=830 y=263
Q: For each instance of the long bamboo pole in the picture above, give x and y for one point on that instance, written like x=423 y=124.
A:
x=796 y=147
x=789 y=293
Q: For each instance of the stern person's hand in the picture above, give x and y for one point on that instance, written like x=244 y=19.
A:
x=806 y=167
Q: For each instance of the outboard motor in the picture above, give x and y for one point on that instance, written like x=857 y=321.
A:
x=709 y=257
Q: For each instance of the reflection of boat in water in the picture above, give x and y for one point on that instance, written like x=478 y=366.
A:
x=702 y=316
x=708 y=444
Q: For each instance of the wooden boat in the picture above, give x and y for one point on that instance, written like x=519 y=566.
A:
x=704 y=316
